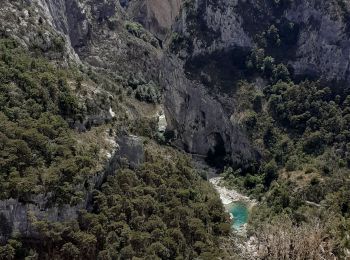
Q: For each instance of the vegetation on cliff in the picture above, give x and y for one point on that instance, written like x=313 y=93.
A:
x=301 y=131
x=163 y=210
x=298 y=125
x=39 y=153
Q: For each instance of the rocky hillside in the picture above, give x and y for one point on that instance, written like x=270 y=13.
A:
x=257 y=86
x=217 y=42
x=315 y=35
x=279 y=72
x=156 y=16
x=40 y=40
x=211 y=40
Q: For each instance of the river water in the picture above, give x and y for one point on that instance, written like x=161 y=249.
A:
x=239 y=213
x=235 y=203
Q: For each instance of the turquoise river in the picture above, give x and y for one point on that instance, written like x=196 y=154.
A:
x=240 y=213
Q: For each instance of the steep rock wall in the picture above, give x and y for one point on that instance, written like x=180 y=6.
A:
x=157 y=16
x=199 y=122
x=216 y=31
x=97 y=33
x=322 y=47
x=20 y=216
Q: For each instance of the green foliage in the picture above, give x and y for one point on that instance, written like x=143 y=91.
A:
x=59 y=44
x=70 y=251
x=138 y=31
x=135 y=28
x=268 y=66
x=38 y=152
x=272 y=36
x=292 y=163
x=179 y=42
x=258 y=61
x=148 y=92
x=270 y=170
x=145 y=127
x=143 y=90
x=163 y=210
x=280 y=72
x=307 y=107
x=301 y=132
x=345 y=13
x=302 y=120
x=7 y=252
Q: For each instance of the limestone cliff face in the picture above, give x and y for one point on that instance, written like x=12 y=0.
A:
x=101 y=34
x=129 y=151
x=97 y=33
x=213 y=25
x=216 y=37
x=322 y=46
x=201 y=125
x=157 y=16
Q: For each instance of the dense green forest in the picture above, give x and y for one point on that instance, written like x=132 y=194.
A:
x=298 y=126
x=301 y=132
x=163 y=210
x=38 y=150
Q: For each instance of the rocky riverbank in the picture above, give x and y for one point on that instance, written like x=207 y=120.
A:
x=228 y=196
x=247 y=246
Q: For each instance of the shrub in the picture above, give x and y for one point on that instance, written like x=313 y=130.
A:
x=292 y=163
x=281 y=72
x=148 y=92
x=59 y=44
x=268 y=66
x=314 y=143
x=272 y=36
x=135 y=28
x=270 y=171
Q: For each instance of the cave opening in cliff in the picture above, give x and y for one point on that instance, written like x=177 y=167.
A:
x=217 y=153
